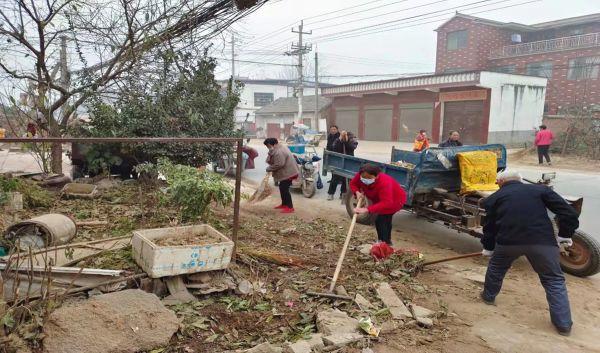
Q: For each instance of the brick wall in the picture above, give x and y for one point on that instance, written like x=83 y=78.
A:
x=481 y=40
x=561 y=92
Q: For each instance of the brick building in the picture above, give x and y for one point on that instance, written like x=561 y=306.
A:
x=567 y=52
x=485 y=107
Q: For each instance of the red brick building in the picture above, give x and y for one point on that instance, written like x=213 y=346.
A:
x=567 y=52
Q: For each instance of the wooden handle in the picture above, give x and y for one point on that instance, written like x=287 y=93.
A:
x=338 y=267
x=475 y=254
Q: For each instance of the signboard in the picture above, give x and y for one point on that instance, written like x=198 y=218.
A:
x=475 y=95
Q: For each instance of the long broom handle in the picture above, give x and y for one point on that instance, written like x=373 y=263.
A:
x=475 y=254
x=338 y=267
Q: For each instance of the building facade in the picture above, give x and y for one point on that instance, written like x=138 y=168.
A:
x=566 y=52
x=277 y=118
x=260 y=93
x=484 y=107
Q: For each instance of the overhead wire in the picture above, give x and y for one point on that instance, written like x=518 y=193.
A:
x=394 y=27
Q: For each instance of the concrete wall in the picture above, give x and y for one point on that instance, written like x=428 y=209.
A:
x=263 y=120
x=516 y=106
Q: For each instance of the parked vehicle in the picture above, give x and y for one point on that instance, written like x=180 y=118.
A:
x=309 y=164
x=432 y=182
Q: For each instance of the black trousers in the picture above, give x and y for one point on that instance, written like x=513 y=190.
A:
x=284 y=190
x=335 y=180
x=545 y=260
x=383 y=224
x=543 y=152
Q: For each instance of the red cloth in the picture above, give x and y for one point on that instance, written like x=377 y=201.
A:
x=385 y=193
x=381 y=250
x=544 y=138
x=252 y=153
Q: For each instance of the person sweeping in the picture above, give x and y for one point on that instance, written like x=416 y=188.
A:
x=385 y=194
x=284 y=168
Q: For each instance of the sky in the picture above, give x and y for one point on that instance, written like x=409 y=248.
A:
x=398 y=35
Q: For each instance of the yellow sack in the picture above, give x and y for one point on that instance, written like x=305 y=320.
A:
x=477 y=171
x=2 y=133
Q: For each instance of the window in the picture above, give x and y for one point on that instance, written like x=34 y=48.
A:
x=540 y=69
x=457 y=40
x=507 y=69
x=262 y=99
x=584 y=68
x=575 y=32
x=454 y=70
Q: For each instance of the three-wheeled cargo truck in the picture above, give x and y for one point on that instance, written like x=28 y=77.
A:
x=432 y=182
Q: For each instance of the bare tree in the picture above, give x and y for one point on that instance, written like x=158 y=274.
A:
x=111 y=38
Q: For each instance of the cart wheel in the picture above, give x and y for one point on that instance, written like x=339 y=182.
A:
x=351 y=204
x=308 y=189
x=583 y=258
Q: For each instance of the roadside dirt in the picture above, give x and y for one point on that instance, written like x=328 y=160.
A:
x=519 y=322
x=570 y=162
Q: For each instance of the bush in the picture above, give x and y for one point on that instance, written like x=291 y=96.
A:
x=190 y=104
x=192 y=189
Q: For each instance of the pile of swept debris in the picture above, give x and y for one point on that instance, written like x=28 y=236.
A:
x=107 y=267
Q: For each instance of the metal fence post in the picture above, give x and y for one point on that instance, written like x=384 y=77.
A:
x=236 y=201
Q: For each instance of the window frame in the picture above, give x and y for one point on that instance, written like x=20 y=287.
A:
x=272 y=97
x=501 y=67
x=540 y=68
x=457 y=40
x=591 y=73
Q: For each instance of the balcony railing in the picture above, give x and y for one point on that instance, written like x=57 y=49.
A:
x=547 y=46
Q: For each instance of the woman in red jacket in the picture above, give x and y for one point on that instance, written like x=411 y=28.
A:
x=386 y=195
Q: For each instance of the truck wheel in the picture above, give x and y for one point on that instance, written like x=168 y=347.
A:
x=583 y=259
x=308 y=189
x=351 y=204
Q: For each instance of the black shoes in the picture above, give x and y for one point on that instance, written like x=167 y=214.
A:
x=485 y=299
x=564 y=331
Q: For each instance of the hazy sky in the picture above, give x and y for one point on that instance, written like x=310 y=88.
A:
x=405 y=44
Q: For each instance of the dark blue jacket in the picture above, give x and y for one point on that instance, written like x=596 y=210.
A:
x=517 y=214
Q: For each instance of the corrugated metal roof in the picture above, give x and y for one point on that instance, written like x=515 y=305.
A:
x=290 y=105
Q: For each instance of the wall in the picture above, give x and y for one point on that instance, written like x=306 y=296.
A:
x=481 y=40
x=516 y=106
x=561 y=92
x=367 y=102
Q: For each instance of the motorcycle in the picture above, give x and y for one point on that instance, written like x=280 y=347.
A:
x=308 y=163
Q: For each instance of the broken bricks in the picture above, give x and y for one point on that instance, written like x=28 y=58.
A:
x=397 y=308
x=334 y=321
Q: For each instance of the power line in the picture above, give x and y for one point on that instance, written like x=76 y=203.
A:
x=399 y=20
x=344 y=9
x=389 y=28
x=377 y=16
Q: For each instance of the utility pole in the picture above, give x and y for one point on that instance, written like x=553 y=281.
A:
x=300 y=49
x=232 y=56
x=316 y=119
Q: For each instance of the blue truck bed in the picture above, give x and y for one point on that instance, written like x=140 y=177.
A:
x=429 y=172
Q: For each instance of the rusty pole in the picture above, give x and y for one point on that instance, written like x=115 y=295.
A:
x=236 y=200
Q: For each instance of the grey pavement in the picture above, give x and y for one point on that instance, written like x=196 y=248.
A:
x=572 y=183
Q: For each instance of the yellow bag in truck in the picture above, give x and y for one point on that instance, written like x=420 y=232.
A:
x=477 y=171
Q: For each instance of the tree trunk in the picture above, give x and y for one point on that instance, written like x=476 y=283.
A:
x=56 y=158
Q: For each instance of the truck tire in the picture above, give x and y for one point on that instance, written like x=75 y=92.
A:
x=362 y=218
x=583 y=259
x=309 y=189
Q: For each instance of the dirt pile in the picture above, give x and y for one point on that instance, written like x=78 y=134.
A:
x=120 y=322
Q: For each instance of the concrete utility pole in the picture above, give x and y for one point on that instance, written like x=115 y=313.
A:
x=232 y=56
x=300 y=49
x=316 y=118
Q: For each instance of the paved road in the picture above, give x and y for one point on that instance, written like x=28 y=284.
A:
x=586 y=184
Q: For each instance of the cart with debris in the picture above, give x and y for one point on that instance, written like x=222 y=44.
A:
x=432 y=182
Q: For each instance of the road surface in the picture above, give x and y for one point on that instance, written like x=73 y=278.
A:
x=572 y=183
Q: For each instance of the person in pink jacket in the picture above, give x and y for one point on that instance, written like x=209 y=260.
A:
x=543 y=140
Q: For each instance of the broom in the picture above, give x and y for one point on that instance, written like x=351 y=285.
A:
x=264 y=190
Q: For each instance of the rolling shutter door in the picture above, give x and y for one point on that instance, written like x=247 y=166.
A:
x=346 y=118
x=414 y=117
x=378 y=123
x=467 y=118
